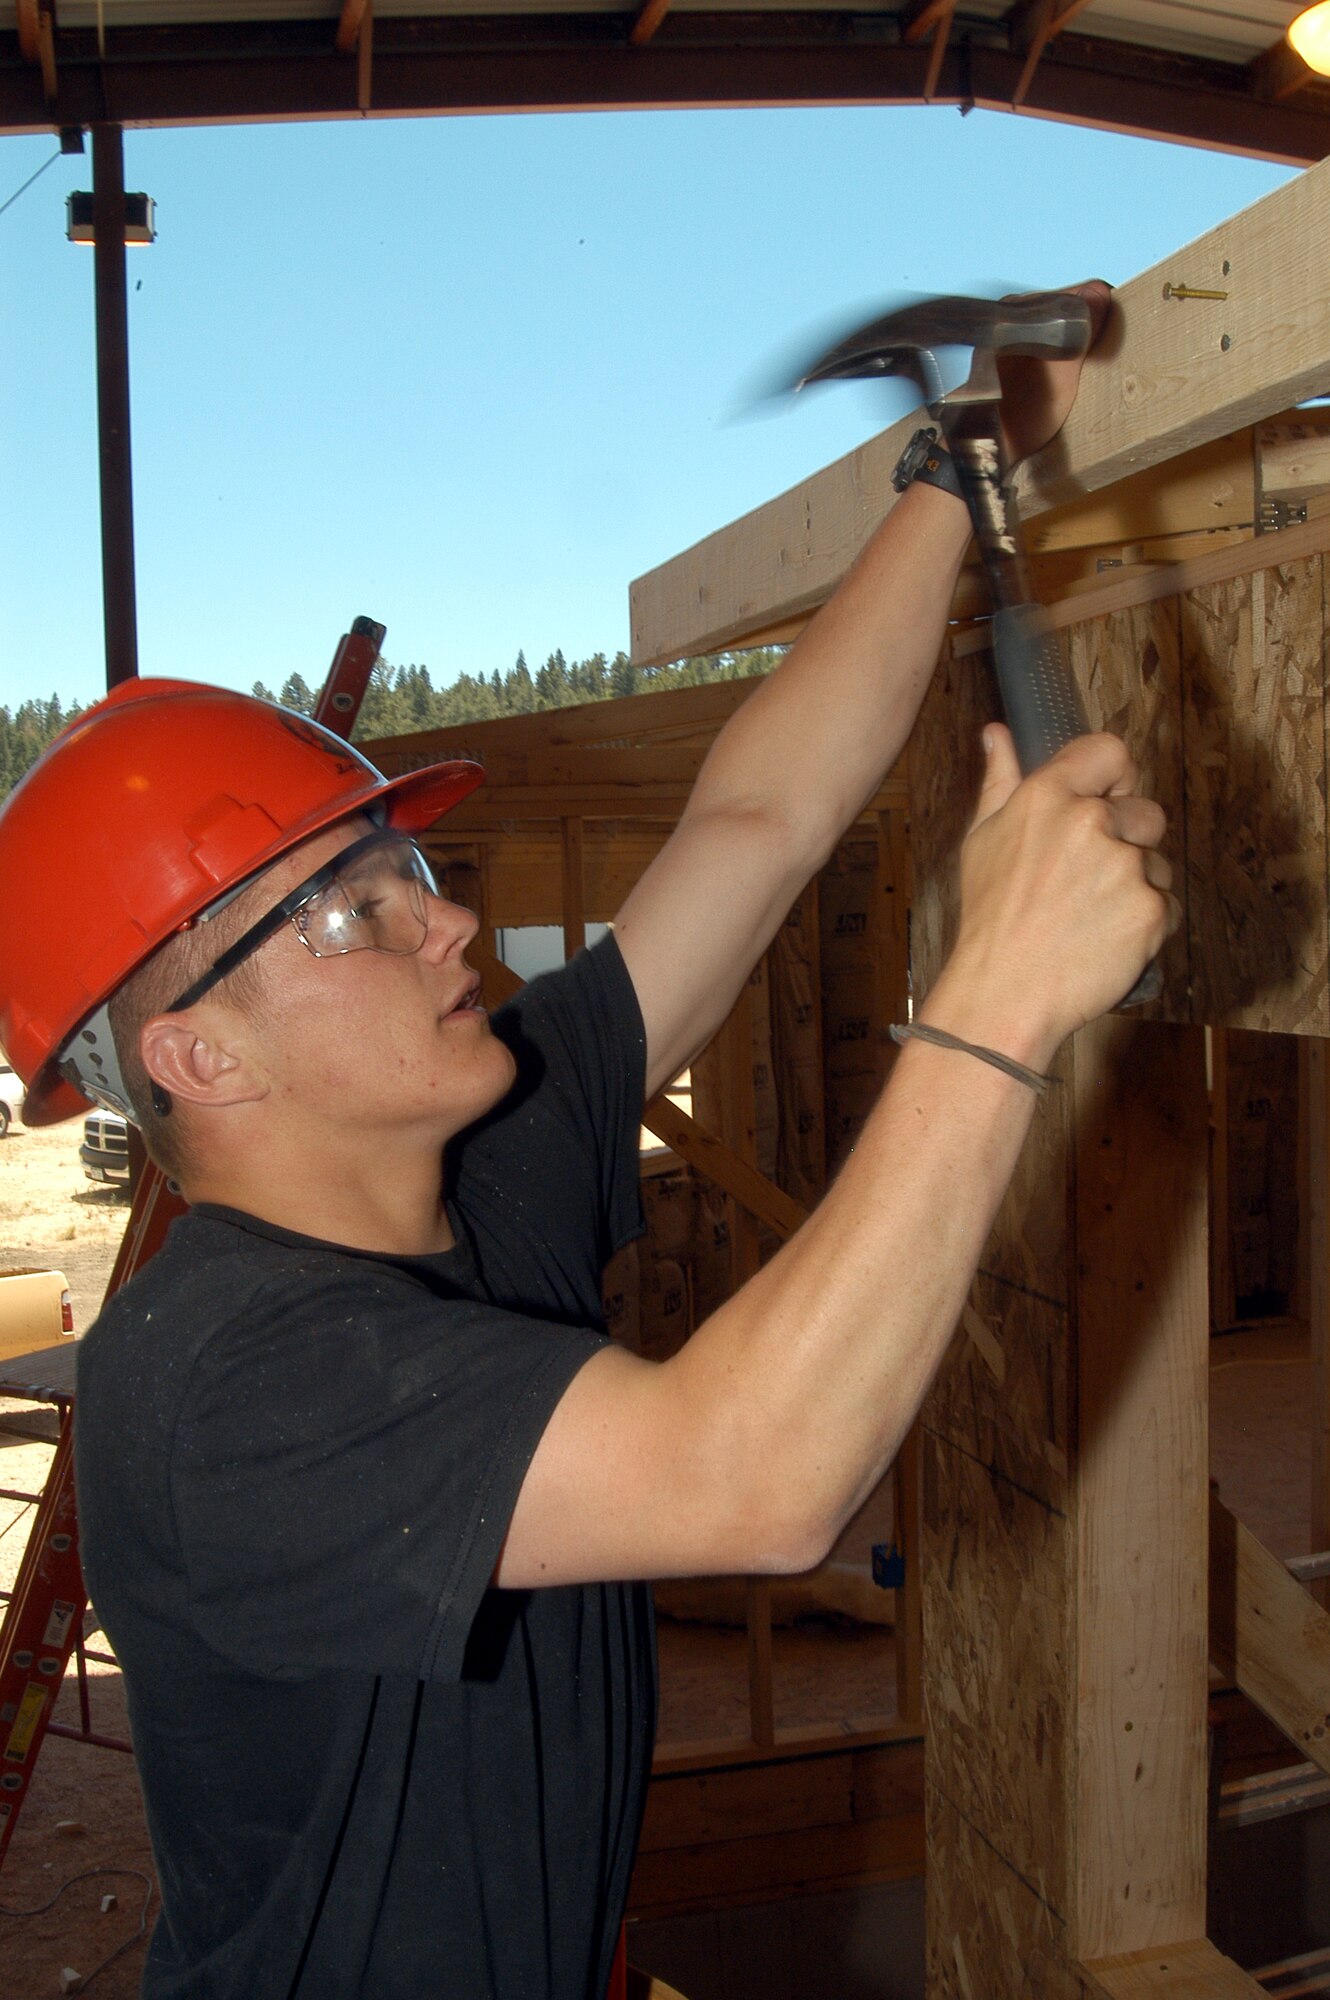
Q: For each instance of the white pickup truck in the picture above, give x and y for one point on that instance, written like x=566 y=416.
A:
x=35 y=1311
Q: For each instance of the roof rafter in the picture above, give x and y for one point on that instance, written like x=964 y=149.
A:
x=355 y=32
x=648 y=20
x=218 y=72
x=1033 y=24
x=36 y=39
x=1278 y=72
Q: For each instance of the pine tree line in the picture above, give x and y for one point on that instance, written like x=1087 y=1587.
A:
x=400 y=700
x=25 y=732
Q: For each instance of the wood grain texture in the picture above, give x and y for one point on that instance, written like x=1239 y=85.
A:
x=1127 y=666
x=1270 y=1634
x=1002 y=1396
x=1194 y=1970
x=1141 y=1462
x=989 y=1932
x=945 y=769
x=997 y=1667
x=1254 y=749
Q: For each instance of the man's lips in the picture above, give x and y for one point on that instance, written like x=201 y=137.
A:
x=467 y=1001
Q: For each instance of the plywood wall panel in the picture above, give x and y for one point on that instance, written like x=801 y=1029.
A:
x=997 y=1619
x=983 y=1919
x=1001 y=1395
x=946 y=765
x=1128 y=668
x=1254 y=747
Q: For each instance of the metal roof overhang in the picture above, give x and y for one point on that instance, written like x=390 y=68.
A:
x=1206 y=75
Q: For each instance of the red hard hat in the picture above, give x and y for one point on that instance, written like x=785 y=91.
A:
x=151 y=806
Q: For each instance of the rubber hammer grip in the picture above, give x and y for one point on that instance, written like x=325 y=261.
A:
x=1042 y=707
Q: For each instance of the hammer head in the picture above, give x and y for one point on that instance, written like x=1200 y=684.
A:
x=1045 y=324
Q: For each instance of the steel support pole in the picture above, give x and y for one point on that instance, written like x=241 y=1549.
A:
x=117 y=491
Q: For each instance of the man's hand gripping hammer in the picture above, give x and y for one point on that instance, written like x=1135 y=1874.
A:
x=1040 y=700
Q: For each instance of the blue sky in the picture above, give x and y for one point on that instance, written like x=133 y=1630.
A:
x=473 y=375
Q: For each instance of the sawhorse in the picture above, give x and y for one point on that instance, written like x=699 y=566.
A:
x=43 y=1622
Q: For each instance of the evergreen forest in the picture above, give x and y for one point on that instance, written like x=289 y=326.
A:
x=402 y=699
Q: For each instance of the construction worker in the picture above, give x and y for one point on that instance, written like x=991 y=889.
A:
x=367 y=1498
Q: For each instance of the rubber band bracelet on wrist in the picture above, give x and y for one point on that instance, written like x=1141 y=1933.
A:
x=902 y=1031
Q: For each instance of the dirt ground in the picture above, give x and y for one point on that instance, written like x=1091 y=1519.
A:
x=51 y=1214
x=83 y=1810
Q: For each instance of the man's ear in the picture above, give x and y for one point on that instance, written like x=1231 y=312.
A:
x=201 y=1058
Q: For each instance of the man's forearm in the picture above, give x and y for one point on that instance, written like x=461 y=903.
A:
x=815 y=1370
x=842 y=704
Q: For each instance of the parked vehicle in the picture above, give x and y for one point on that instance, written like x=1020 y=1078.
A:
x=11 y=1097
x=35 y=1311
x=105 y=1148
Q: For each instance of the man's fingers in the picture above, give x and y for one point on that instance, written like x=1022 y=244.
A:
x=1002 y=773
x=1139 y=821
x=1096 y=767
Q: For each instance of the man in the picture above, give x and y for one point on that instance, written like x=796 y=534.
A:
x=367 y=1499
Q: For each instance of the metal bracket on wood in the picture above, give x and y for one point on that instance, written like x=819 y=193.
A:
x=1273 y=515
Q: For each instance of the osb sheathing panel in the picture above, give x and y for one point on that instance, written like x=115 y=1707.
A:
x=1028 y=1245
x=1253 y=655
x=1221 y=694
x=1001 y=1395
x=946 y=767
x=997 y=1610
x=981 y=1915
x=1128 y=669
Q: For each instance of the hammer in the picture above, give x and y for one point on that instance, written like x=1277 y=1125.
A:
x=1040 y=700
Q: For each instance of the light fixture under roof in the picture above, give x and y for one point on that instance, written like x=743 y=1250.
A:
x=1310 y=37
x=140 y=218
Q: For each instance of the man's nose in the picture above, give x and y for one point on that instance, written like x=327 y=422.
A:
x=448 y=926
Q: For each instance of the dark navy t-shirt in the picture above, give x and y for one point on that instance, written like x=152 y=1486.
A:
x=368 y=1775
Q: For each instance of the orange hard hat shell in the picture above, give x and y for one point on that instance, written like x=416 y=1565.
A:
x=154 y=803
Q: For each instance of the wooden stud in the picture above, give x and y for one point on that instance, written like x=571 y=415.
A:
x=574 y=890
x=909 y=1598
x=1142 y=1458
x=1270 y=1635
x=1223 y=1303
x=1194 y=1970
x=1315 y=1233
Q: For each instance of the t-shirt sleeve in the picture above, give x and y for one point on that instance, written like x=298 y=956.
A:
x=345 y=1466
x=579 y=1031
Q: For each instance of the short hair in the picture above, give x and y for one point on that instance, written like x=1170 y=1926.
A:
x=149 y=990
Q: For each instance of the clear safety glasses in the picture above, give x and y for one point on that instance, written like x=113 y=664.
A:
x=370 y=897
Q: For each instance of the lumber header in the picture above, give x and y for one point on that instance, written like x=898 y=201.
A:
x=1173 y=374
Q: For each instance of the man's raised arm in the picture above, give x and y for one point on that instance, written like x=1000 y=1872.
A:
x=792 y=768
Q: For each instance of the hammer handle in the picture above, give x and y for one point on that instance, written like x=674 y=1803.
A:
x=1042 y=707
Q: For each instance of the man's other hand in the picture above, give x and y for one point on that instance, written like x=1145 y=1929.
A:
x=1036 y=395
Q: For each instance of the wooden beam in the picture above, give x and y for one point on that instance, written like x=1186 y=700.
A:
x=1051 y=21
x=919 y=22
x=1314 y=1288
x=648 y=20
x=574 y=888
x=1278 y=72
x=1268 y=1632
x=353 y=17
x=1191 y=1971
x=1175 y=374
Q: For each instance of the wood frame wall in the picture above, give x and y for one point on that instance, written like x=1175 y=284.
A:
x=1065 y=1469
